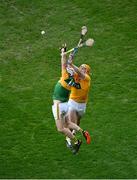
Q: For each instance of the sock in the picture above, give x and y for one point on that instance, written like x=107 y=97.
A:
x=81 y=130
x=74 y=140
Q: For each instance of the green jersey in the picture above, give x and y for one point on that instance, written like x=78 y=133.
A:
x=60 y=93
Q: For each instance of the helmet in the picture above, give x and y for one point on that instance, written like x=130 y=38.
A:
x=87 y=67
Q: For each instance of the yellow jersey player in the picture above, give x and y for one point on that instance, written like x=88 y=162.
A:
x=79 y=95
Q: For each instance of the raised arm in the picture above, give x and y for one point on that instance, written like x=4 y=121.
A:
x=63 y=58
x=76 y=69
x=66 y=64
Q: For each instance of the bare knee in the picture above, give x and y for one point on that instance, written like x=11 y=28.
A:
x=69 y=124
x=60 y=129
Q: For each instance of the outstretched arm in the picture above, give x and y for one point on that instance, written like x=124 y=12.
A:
x=76 y=69
x=63 y=61
x=71 y=56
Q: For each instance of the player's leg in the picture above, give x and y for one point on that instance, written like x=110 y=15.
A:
x=58 y=110
x=73 y=145
x=80 y=112
x=71 y=125
x=73 y=116
x=62 y=129
x=78 y=119
x=73 y=109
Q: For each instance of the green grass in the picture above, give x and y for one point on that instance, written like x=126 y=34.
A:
x=30 y=146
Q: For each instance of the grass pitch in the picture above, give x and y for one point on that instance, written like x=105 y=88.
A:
x=30 y=146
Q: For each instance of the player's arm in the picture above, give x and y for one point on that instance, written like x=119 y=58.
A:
x=76 y=69
x=63 y=58
x=66 y=63
x=71 y=56
x=63 y=61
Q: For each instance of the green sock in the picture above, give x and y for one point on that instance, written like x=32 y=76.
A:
x=74 y=140
x=81 y=130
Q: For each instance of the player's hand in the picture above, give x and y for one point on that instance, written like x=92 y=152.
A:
x=63 y=48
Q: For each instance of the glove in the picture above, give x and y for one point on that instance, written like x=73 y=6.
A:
x=63 y=48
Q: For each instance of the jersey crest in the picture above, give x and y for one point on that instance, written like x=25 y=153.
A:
x=71 y=82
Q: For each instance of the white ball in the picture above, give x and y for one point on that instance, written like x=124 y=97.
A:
x=42 y=32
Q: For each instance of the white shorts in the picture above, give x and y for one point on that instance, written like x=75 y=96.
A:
x=79 y=107
x=59 y=110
